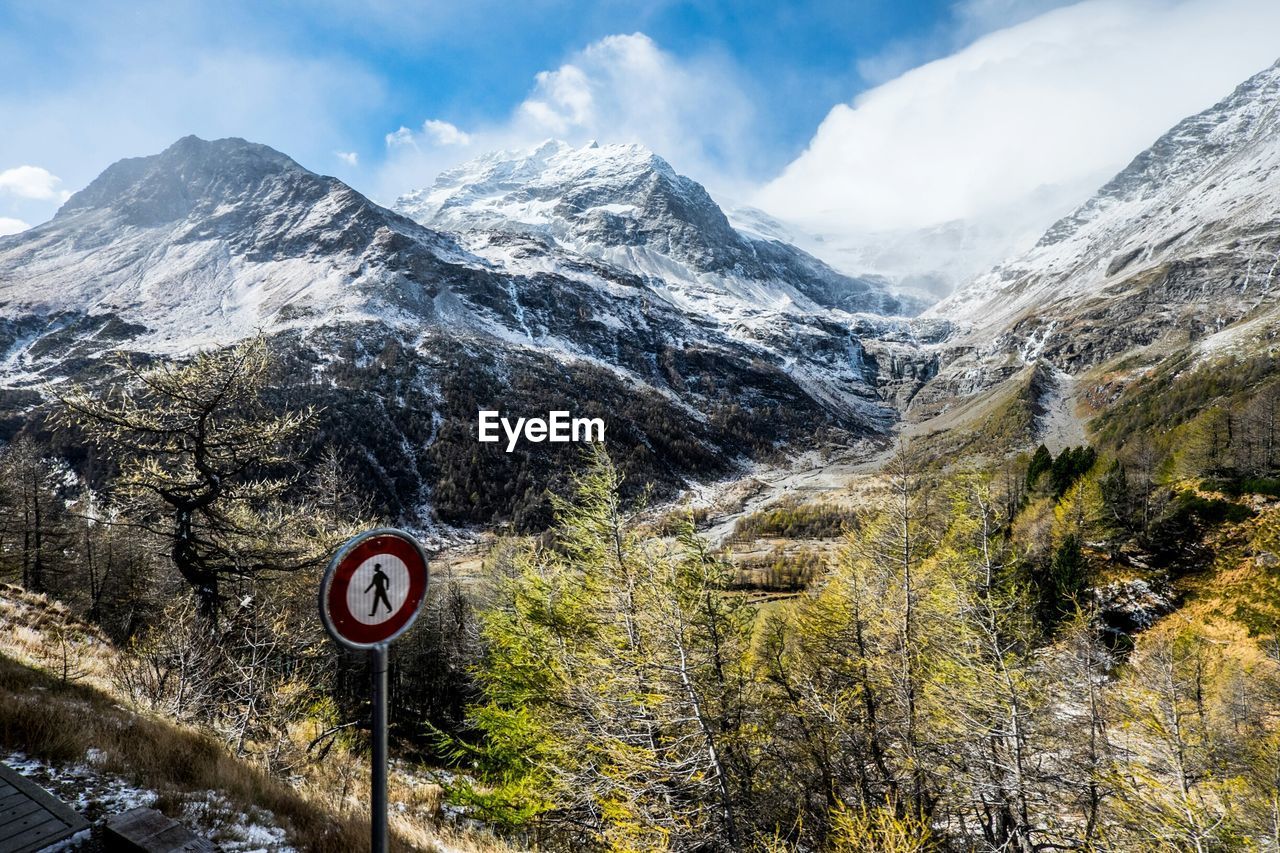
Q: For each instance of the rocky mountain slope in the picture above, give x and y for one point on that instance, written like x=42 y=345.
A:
x=626 y=206
x=209 y=241
x=403 y=331
x=598 y=279
x=1185 y=239
x=1178 y=253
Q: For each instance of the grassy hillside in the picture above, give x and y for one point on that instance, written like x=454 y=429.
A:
x=65 y=717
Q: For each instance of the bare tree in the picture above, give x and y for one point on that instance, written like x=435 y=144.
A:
x=32 y=516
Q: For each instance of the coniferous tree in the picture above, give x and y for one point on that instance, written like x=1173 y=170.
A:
x=204 y=464
x=996 y=702
x=33 y=517
x=1041 y=461
x=613 y=687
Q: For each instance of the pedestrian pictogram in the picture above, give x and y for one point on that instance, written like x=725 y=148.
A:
x=379 y=583
x=371 y=593
x=374 y=588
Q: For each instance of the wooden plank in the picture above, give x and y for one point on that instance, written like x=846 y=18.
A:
x=30 y=817
x=18 y=817
x=36 y=837
x=138 y=823
x=144 y=830
x=12 y=798
x=33 y=791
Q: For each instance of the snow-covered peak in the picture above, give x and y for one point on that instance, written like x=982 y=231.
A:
x=625 y=206
x=513 y=188
x=190 y=175
x=592 y=194
x=208 y=241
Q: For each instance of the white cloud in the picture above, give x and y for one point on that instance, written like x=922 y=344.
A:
x=622 y=88
x=351 y=158
x=1025 y=120
x=975 y=17
x=31 y=182
x=968 y=20
x=402 y=136
x=8 y=225
x=444 y=133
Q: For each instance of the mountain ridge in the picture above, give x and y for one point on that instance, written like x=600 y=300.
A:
x=406 y=330
x=1218 y=166
x=1177 y=254
x=604 y=267
x=625 y=205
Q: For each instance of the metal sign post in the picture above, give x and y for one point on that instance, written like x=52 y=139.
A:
x=378 y=778
x=371 y=594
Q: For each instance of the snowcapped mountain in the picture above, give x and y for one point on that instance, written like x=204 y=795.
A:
x=625 y=206
x=1183 y=243
x=1176 y=257
x=600 y=281
x=209 y=241
x=402 y=332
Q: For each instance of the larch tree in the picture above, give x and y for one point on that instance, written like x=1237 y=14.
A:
x=989 y=691
x=1260 y=427
x=33 y=522
x=1172 y=788
x=204 y=464
x=849 y=667
x=1078 y=666
x=614 y=681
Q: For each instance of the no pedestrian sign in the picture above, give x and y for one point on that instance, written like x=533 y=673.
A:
x=370 y=594
x=374 y=588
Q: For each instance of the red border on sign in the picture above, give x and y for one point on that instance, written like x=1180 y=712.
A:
x=335 y=596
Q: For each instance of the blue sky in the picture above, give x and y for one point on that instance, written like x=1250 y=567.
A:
x=894 y=113
x=475 y=60
x=314 y=78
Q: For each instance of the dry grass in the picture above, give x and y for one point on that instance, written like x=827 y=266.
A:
x=57 y=703
x=59 y=722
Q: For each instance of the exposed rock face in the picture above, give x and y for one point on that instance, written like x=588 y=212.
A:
x=1126 y=607
x=210 y=242
x=599 y=278
x=1186 y=239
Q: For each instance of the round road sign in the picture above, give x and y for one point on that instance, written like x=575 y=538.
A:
x=373 y=588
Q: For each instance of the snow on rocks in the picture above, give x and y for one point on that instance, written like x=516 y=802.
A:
x=1129 y=606
x=253 y=830
x=92 y=792
x=1181 y=242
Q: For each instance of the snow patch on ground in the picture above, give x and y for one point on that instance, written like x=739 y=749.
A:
x=235 y=831
x=96 y=795
x=92 y=792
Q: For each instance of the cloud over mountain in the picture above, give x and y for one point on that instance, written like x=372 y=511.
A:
x=621 y=88
x=1024 y=122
